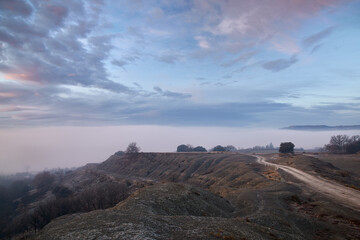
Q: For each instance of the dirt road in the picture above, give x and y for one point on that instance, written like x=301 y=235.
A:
x=341 y=194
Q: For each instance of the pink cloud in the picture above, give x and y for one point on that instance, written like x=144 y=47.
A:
x=8 y=95
x=264 y=19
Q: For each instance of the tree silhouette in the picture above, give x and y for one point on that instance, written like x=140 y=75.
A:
x=286 y=147
x=219 y=148
x=132 y=151
x=184 y=148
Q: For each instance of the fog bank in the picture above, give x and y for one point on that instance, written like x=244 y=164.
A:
x=36 y=149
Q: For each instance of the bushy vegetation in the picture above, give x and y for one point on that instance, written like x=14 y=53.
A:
x=189 y=148
x=286 y=147
x=343 y=144
x=219 y=148
x=228 y=148
x=199 y=149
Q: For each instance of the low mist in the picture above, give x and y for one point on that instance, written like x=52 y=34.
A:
x=36 y=149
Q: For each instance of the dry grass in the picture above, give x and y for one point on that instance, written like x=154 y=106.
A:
x=348 y=162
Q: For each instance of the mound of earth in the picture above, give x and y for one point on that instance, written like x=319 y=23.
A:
x=163 y=211
x=177 y=199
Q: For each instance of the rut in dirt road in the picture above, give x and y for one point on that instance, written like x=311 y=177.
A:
x=341 y=194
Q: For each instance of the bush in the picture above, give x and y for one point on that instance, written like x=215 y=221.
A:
x=219 y=148
x=199 y=149
x=189 y=148
x=184 y=148
x=286 y=147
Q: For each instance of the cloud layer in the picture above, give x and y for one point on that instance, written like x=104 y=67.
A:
x=163 y=62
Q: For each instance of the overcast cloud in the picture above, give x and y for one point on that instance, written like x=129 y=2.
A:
x=76 y=62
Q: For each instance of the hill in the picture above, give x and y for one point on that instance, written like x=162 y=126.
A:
x=322 y=127
x=199 y=196
x=202 y=196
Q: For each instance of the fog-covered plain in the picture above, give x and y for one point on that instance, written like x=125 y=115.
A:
x=34 y=149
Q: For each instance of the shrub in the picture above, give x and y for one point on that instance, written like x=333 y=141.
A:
x=286 y=147
x=184 y=148
x=199 y=149
x=219 y=148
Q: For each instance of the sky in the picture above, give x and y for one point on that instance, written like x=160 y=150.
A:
x=156 y=66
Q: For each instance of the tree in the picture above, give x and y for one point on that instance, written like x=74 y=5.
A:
x=132 y=149
x=339 y=140
x=343 y=144
x=184 y=148
x=353 y=147
x=230 y=148
x=338 y=144
x=199 y=149
x=219 y=148
x=286 y=147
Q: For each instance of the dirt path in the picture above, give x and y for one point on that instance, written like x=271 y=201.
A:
x=341 y=194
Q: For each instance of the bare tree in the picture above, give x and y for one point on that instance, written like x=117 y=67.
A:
x=337 y=144
x=339 y=140
x=132 y=150
x=343 y=144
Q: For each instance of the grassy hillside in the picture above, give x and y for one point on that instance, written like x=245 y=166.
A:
x=348 y=162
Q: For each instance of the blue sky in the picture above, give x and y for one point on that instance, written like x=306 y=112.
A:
x=179 y=63
x=174 y=65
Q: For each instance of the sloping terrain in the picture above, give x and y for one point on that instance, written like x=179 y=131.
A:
x=163 y=211
x=203 y=196
x=348 y=162
x=317 y=165
x=333 y=190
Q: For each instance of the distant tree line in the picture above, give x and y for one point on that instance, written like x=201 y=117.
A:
x=218 y=148
x=341 y=144
x=228 y=148
x=190 y=148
